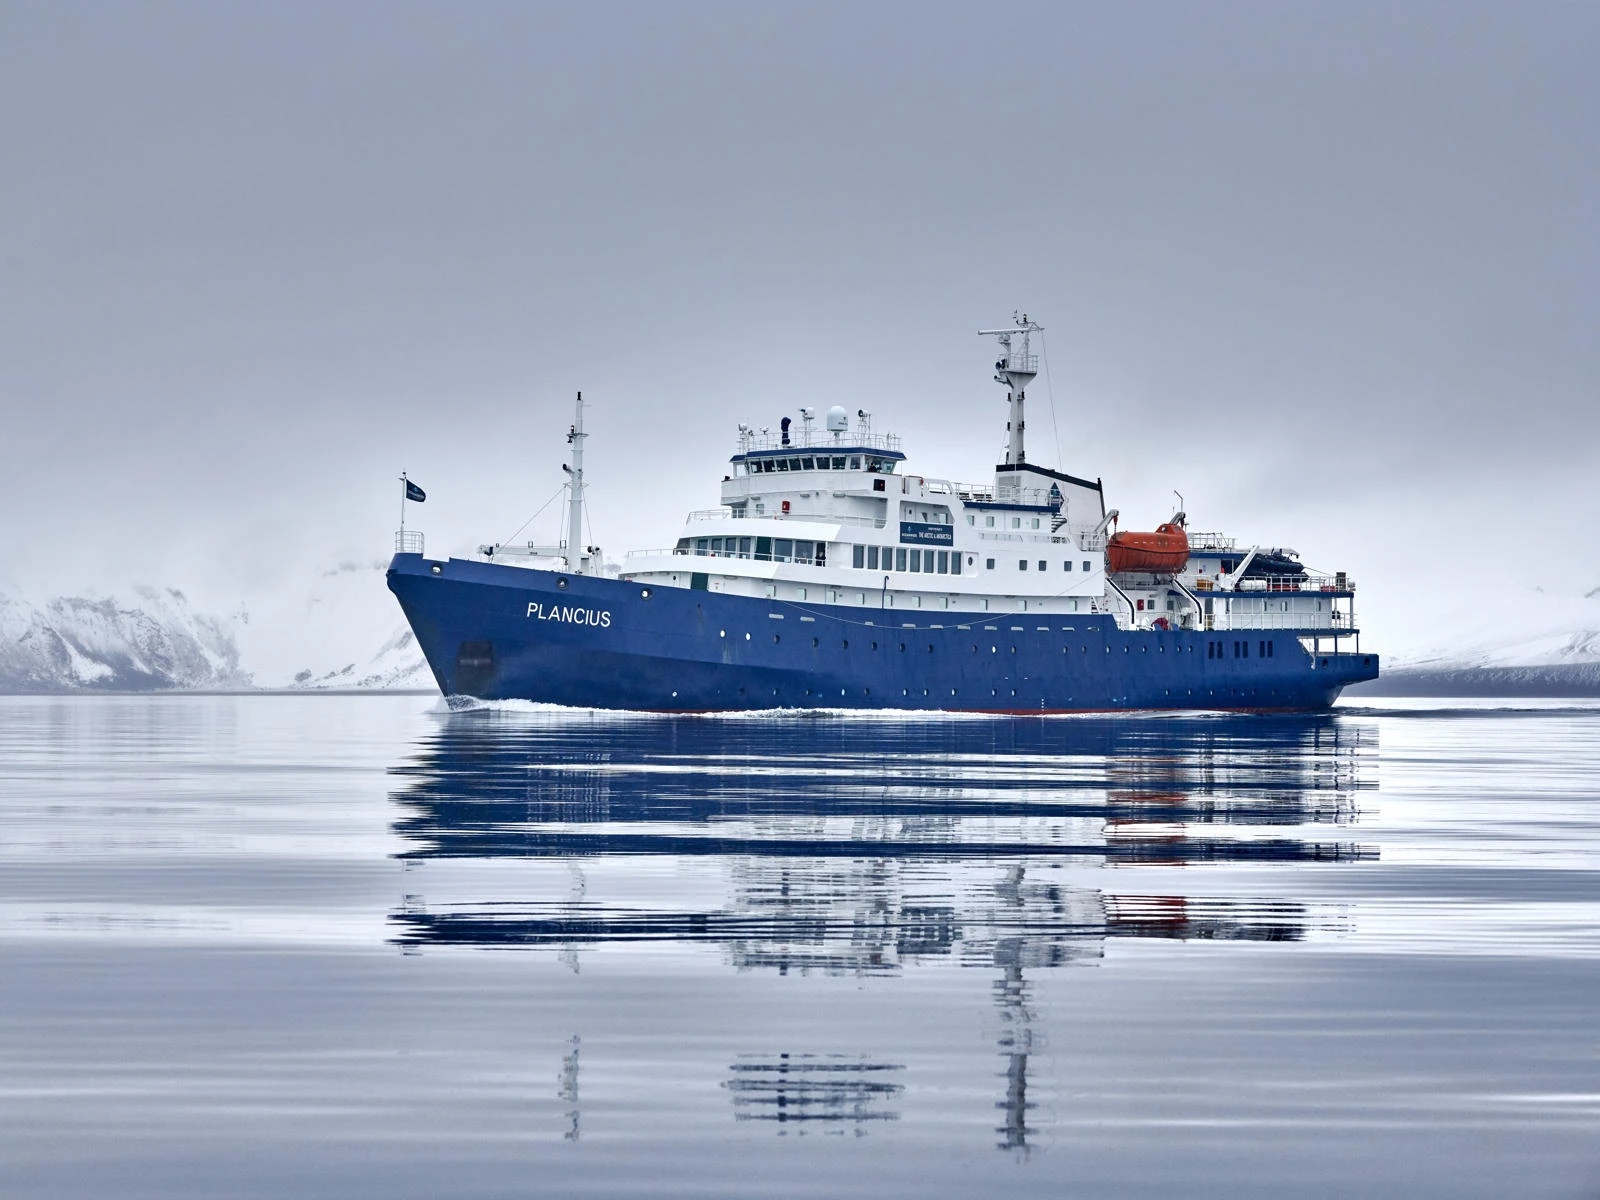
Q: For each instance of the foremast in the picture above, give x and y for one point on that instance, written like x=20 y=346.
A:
x=577 y=558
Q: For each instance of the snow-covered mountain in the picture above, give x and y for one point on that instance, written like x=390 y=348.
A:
x=1509 y=642
x=338 y=629
x=146 y=639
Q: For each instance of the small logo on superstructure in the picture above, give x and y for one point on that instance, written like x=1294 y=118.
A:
x=569 y=614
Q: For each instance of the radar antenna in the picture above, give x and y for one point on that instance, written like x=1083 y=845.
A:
x=1015 y=370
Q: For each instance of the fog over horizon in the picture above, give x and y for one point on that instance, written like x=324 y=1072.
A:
x=1330 y=271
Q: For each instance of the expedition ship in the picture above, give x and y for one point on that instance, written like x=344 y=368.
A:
x=831 y=577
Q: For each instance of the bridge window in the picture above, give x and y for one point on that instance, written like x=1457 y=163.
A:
x=858 y=557
x=872 y=558
x=944 y=562
x=855 y=462
x=900 y=558
x=782 y=549
x=955 y=562
x=916 y=561
x=838 y=462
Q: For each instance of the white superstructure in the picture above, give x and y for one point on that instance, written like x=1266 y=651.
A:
x=830 y=515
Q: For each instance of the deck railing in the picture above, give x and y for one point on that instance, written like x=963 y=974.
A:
x=1313 y=582
x=408 y=541
x=705 y=515
x=1332 y=622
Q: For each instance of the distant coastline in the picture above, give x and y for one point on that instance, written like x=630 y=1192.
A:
x=1565 y=680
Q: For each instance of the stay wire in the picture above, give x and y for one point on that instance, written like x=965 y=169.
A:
x=1050 y=390
x=559 y=491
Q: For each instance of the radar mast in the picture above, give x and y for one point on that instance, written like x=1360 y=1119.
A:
x=1015 y=370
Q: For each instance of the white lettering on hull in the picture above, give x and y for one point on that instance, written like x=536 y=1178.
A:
x=569 y=614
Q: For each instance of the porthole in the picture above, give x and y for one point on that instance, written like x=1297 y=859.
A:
x=722 y=633
x=747 y=637
x=644 y=593
x=874 y=645
x=902 y=647
x=562 y=584
x=815 y=643
x=845 y=644
x=774 y=639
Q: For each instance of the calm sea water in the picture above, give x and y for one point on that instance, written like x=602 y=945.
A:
x=357 y=946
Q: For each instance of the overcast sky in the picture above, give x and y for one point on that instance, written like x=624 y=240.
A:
x=1332 y=271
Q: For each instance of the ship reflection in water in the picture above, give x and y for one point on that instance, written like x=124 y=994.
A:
x=860 y=847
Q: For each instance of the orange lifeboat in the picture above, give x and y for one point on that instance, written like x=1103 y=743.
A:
x=1164 y=552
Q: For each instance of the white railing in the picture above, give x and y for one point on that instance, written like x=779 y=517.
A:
x=1334 y=622
x=1287 y=583
x=1211 y=541
x=694 y=552
x=803 y=438
x=408 y=541
x=703 y=515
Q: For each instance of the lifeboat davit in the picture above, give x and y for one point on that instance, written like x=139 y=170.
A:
x=1164 y=552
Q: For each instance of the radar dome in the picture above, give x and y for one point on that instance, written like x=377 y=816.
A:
x=838 y=420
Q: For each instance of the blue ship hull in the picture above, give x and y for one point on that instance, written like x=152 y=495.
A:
x=498 y=632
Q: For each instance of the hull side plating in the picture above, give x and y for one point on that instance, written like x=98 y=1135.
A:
x=499 y=632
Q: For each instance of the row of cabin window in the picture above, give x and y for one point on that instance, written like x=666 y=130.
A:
x=910 y=560
x=887 y=600
x=1241 y=649
x=818 y=462
x=1044 y=565
x=783 y=549
x=870 y=557
x=1016 y=522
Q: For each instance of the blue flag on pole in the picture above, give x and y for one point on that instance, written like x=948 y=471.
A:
x=413 y=492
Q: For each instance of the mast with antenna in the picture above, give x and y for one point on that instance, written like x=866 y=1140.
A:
x=1015 y=370
x=576 y=558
